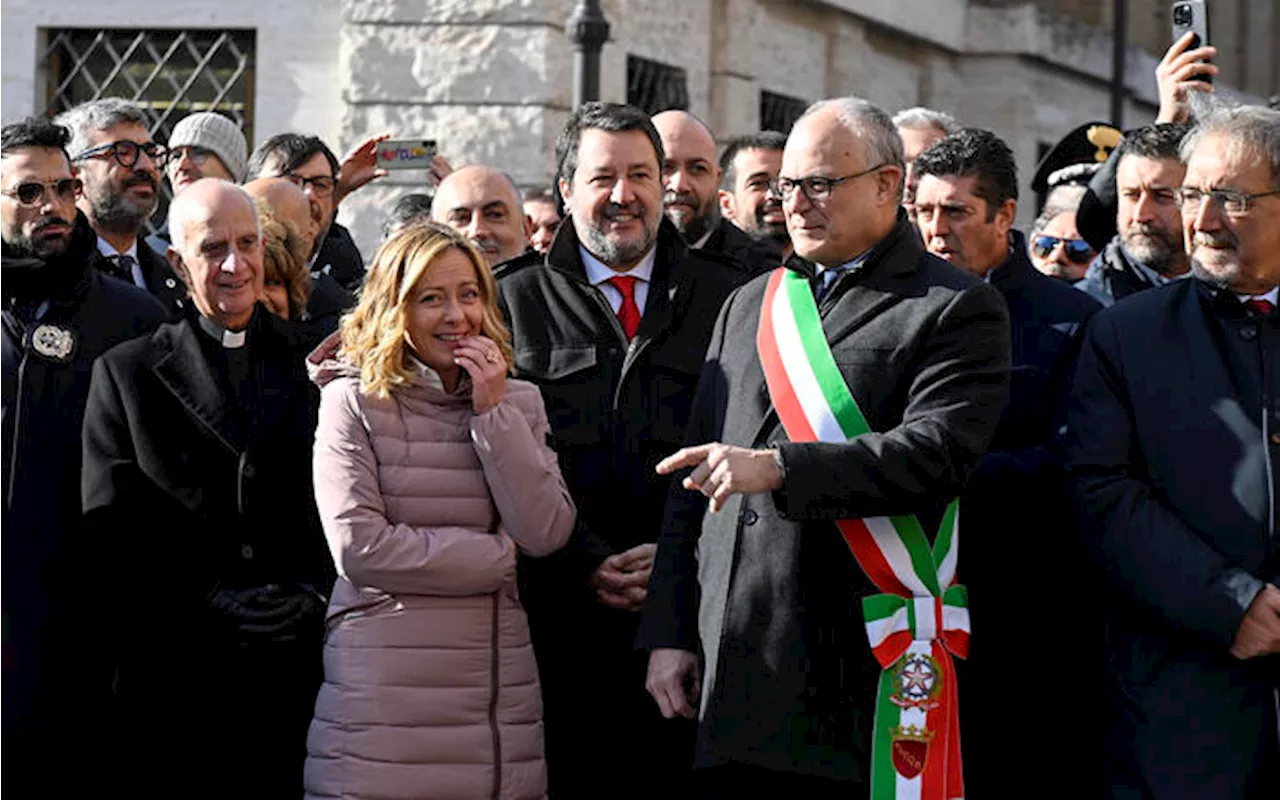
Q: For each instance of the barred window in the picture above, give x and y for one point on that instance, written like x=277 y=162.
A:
x=778 y=112
x=169 y=73
x=654 y=87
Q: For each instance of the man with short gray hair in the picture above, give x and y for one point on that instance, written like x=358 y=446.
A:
x=1171 y=451
x=119 y=163
x=197 y=441
x=754 y=621
x=919 y=128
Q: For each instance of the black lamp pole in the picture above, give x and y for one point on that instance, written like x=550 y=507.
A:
x=588 y=30
x=1119 y=44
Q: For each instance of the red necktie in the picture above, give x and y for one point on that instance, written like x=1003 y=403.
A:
x=628 y=312
x=1260 y=306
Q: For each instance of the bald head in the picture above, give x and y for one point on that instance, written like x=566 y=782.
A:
x=483 y=204
x=217 y=250
x=690 y=174
x=288 y=203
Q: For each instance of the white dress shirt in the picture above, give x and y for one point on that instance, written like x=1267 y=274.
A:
x=110 y=251
x=598 y=275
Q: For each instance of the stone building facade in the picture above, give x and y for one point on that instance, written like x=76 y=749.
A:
x=490 y=80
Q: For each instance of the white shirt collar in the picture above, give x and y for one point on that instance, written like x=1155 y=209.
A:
x=598 y=272
x=428 y=374
x=1272 y=296
x=108 y=250
x=701 y=243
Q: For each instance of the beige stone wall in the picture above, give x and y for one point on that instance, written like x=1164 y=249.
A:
x=491 y=79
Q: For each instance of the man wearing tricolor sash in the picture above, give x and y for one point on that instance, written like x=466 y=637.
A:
x=804 y=603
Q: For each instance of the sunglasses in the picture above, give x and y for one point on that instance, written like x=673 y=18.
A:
x=1078 y=250
x=34 y=193
x=125 y=152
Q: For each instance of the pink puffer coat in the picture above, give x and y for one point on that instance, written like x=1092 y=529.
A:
x=430 y=687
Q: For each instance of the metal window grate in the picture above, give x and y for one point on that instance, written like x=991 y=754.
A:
x=778 y=112
x=653 y=86
x=169 y=73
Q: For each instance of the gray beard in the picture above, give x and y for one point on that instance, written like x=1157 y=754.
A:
x=1160 y=258
x=697 y=227
x=613 y=253
x=117 y=213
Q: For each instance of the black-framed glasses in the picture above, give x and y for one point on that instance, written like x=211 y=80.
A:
x=815 y=187
x=198 y=155
x=1077 y=251
x=1233 y=202
x=321 y=185
x=125 y=152
x=33 y=193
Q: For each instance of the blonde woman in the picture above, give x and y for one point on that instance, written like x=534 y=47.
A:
x=431 y=471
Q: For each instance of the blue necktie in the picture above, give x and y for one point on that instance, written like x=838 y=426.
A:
x=829 y=278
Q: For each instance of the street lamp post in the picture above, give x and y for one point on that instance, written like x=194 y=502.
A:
x=588 y=30
x=1119 y=43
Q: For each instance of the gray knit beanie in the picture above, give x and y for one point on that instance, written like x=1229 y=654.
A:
x=216 y=133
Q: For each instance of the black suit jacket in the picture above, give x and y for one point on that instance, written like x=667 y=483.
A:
x=751 y=256
x=1172 y=452
x=192 y=506
x=1014 y=513
x=616 y=409
x=766 y=590
x=162 y=281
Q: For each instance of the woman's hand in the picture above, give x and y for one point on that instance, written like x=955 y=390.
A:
x=483 y=361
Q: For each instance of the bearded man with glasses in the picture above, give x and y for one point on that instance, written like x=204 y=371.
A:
x=113 y=153
x=60 y=313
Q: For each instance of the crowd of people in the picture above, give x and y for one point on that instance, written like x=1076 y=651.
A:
x=645 y=483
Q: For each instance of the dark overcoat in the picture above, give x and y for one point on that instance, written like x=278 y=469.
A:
x=751 y=256
x=616 y=409
x=1014 y=514
x=766 y=591
x=1173 y=439
x=51 y=674
x=215 y=569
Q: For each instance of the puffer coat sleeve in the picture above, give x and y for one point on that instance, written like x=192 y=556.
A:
x=369 y=550
x=522 y=471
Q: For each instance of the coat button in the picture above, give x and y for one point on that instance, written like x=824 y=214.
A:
x=1249 y=333
x=249 y=471
x=170 y=283
x=246 y=552
x=750 y=517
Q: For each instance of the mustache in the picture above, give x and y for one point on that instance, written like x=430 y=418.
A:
x=769 y=206
x=688 y=198
x=50 y=221
x=1147 y=229
x=1225 y=240
x=614 y=210
x=140 y=179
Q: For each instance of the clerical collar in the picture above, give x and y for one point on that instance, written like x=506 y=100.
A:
x=231 y=340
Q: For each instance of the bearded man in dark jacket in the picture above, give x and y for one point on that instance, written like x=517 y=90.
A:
x=60 y=313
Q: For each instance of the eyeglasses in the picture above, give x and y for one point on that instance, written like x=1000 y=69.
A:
x=34 y=193
x=125 y=152
x=816 y=188
x=1078 y=250
x=1235 y=203
x=321 y=185
x=198 y=155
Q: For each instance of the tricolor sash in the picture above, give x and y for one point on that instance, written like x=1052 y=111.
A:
x=922 y=619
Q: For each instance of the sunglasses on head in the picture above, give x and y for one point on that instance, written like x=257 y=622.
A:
x=1078 y=250
x=33 y=193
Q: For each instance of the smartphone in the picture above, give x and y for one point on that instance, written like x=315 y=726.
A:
x=1192 y=15
x=406 y=153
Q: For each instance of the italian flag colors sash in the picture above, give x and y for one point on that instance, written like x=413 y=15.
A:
x=922 y=618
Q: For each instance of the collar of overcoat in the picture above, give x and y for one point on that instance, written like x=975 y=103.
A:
x=180 y=365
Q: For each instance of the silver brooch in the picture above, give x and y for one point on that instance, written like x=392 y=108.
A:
x=53 y=342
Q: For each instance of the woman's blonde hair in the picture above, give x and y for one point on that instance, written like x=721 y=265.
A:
x=373 y=334
x=282 y=259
